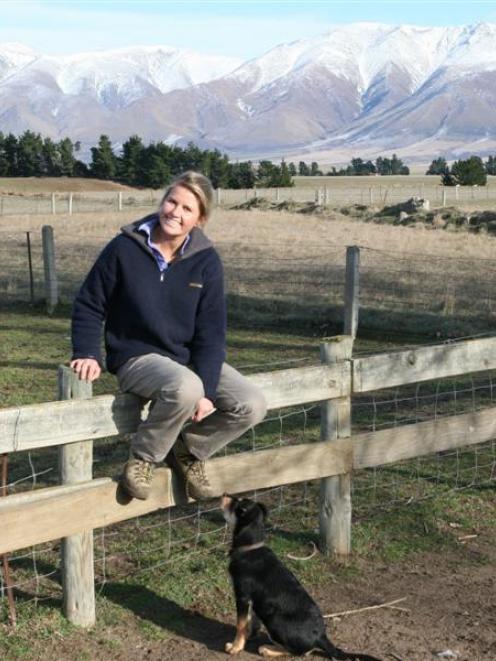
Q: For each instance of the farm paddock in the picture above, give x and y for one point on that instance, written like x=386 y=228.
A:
x=437 y=553
x=449 y=591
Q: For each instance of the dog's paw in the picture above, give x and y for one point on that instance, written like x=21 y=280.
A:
x=230 y=649
x=271 y=651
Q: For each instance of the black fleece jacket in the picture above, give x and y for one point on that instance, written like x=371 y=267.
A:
x=179 y=313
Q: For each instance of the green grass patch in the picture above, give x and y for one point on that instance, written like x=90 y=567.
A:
x=156 y=572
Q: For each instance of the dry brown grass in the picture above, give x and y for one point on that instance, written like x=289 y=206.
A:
x=296 y=235
x=287 y=235
x=36 y=185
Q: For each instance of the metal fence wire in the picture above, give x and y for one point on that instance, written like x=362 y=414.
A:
x=408 y=290
x=375 y=191
x=186 y=534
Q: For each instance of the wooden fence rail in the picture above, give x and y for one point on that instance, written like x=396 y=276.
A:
x=80 y=504
x=58 y=423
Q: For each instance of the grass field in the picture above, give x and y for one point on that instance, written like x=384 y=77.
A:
x=163 y=591
x=20 y=195
x=36 y=185
x=295 y=262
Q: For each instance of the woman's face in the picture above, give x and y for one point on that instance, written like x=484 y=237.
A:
x=179 y=213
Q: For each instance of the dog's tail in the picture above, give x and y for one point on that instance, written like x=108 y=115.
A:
x=338 y=654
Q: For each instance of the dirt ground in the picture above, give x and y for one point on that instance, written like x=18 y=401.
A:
x=448 y=612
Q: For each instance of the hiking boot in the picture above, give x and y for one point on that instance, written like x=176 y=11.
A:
x=137 y=477
x=193 y=472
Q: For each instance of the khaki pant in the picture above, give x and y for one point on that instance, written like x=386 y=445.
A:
x=175 y=390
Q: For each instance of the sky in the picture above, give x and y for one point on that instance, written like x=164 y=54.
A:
x=241 y=29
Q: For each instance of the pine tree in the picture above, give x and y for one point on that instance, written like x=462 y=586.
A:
x=470 y=172
x=68 y=164
x=490 y=165
x=314 y=169
x=103 y=161
x=285 y=179
x=129 y=169
x=219 y=169
x=51 y=161
x=154 y=170
x=4 y=162
x=11 y=149
x=241 y=175
x=438 y=166
x=29 y=155
x=303 y=169
x=267 y=175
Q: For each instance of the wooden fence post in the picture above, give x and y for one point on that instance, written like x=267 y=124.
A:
x=119 y=201
x=69 y=204
x=51 y=285
x=351 y=294
x=76 y=465
x=335 y=492
x=54 y=207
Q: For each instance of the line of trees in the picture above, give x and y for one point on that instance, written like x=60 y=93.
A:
x=472 y=171
x=357 y=167
x=383 y=166
x=152 y=165
x=30 y=155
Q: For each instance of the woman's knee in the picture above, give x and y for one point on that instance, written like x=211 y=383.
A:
x=185 y=392
x=259 y=407
x=253 y=407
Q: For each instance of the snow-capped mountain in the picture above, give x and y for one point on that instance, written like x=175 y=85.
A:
x=362 y=87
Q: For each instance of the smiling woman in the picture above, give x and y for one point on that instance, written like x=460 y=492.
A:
x=159 y=289
x=180 y=211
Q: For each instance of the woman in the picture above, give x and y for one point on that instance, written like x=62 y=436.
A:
x=158 y=286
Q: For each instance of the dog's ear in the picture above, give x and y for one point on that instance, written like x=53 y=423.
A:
x=264 y=510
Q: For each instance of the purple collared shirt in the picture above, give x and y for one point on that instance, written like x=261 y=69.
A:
x=147 y=227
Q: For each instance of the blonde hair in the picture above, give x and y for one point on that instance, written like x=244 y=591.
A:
x=201 y=188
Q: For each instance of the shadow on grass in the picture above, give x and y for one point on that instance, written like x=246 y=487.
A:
x=147 y=605
x=297 y=314
x=27 y=364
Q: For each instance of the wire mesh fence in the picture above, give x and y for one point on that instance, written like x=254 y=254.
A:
x=77 y=202
x=411 y=292
x=190 y=533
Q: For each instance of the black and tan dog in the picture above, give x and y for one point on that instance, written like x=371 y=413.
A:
x=266 y=591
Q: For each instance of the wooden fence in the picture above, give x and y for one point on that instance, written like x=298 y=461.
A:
x=379 y=191
x=81 y=504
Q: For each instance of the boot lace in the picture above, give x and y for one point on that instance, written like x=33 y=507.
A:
x=142 y=471
x=196 y=470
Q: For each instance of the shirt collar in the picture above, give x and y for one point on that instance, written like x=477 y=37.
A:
x=147 y=228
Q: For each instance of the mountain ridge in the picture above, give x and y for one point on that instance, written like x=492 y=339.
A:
x=355 y=87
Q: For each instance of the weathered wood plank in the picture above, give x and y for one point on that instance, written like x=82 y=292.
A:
x=423 y=364
x=38 y=516
x=76 y=553
x=351 y=291
x=47 y=514
x=335 y=491
x=56 y=423
x=406 y=442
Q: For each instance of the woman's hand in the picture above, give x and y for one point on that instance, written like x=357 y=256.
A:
x=203 y=409
x=88 y=369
